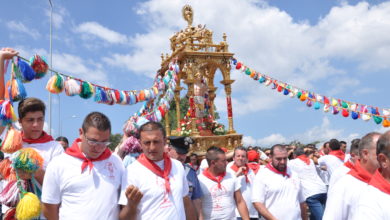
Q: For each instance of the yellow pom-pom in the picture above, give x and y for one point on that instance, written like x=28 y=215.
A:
x=29 y=207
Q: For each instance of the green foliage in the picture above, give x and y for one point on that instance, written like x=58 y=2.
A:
x=114 y=139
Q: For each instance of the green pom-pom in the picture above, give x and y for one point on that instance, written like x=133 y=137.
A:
x=378 y=119
x=86 y=90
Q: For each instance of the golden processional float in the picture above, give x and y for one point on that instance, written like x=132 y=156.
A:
x=199 y=59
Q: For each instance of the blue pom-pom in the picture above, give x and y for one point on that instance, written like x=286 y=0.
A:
x=354 y=115
x=26 y=71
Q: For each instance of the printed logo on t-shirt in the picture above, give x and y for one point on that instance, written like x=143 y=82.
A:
x=217 y=196
x=111 y=169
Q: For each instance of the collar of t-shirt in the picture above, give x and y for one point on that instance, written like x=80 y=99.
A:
x=44 y=138
x=349 y=164
x=269 y=166
x=360 y=173
x=338 y=153
x=217 y=179
x=380 y=183
x=235 y=168
x=75 y=151
x=160 y=168
x=304 y=158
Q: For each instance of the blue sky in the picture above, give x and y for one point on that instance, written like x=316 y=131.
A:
x=335 y=48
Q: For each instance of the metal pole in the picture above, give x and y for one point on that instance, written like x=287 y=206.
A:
x=51 y=60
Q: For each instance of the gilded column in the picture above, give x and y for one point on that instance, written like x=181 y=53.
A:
x=228 y=91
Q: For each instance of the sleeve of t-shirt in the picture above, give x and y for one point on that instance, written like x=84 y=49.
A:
x=258 y=189
x=51 y=191
x=335 y=203
x=301 y=197
x=237 y=183
x=126 y=181
x=197 y=191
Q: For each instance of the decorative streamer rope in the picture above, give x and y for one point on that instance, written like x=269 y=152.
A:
x=357 y=110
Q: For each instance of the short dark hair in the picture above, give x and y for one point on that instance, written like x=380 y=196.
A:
x=278 y=146
x=62 y=138
x=30 y=105
x=152 y=126
x=343 y=142
x=355 y=146
x=334 y=144
x=239 y=148
x=193 y=154
x=383 y=144
x=367 y=141
x=97 y=120
x=212 y=154
x=299 y=151
x=325 y=144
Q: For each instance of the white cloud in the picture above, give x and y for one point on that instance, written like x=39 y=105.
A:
x=93 y=29
x=321 y=133
x=248 y=140
x=20 y=27
x=59 y=13
x=79 y=67
x=271 y=140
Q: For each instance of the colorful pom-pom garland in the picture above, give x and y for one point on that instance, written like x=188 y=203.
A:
x=334 y=105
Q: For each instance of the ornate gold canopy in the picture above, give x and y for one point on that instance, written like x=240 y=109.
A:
x=200 y=58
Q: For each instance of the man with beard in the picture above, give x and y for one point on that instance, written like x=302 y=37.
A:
x=221 y=190
x=276 y=192
x=178 y=149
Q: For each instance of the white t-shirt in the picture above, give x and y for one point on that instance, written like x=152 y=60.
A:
x=156 y=203
x=219 y=203
x=88 y=195
x=203 y=166
x=280 y=195
x=47 y=150
x=246 y=190
x=331 y=162
x=373 y=205
x=343 y=198
x=310 y=181
x=338 y=174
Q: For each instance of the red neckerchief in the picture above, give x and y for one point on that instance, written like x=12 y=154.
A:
x=75 y=151
x=217 y=179
x=157 y=170
x=321 y=152
x=379 y=182
x=269 y=166
x=254 y=166
x=304 y=158
x=193 y=167
x=338 y=153
x=44 y=138
x=235 y=168
x=360 y=173
x=349 y=164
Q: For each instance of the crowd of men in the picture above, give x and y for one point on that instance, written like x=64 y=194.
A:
x=88 y=181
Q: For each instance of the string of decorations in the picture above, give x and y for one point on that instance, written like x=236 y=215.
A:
x=73 y=86
x=329 y=104
x=155 y=110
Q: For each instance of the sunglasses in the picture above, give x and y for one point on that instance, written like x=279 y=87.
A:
x=97 y=143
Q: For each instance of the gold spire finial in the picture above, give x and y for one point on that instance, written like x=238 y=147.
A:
x=188 y=14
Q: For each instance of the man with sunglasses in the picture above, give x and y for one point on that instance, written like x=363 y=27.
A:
x=84 y=182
